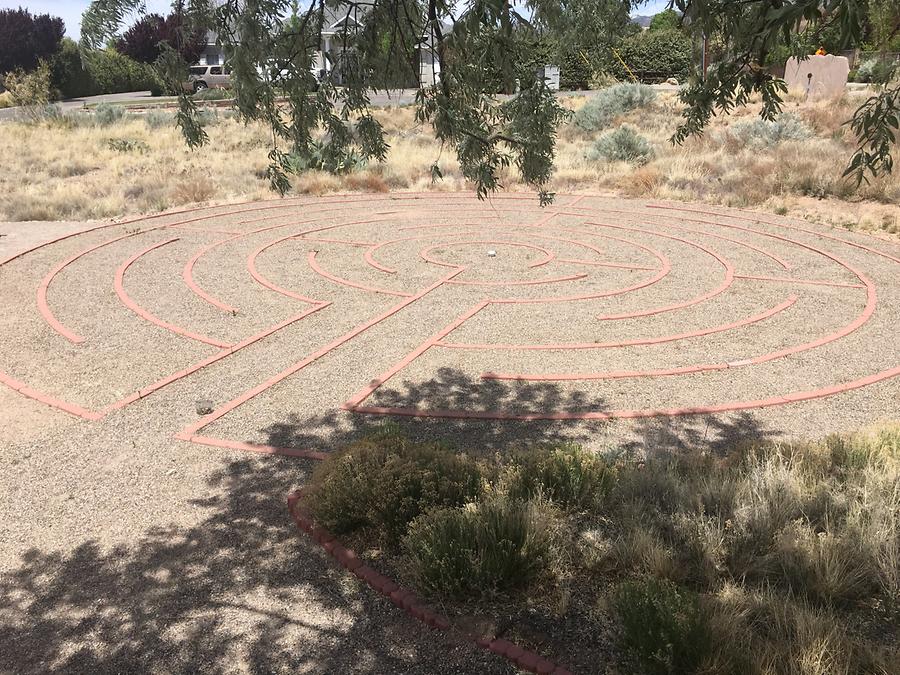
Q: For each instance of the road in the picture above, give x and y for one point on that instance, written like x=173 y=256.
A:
x=380 y=99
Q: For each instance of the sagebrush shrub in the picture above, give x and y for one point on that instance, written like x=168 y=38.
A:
x=50 y=114
x=107 y=114
x=385 y=481
x=622 y=145
x=208 y=117
x=567 y=475
x=599 y=112
x=157 y=119
x=766 y=134
x=482 y=549
x=664 y=626
x=212 y=94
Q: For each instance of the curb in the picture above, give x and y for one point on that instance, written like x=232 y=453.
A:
x=407 y=600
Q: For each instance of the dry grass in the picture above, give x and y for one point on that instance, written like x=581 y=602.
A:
x=55 y=171
x=793 y=550
x=785 y=556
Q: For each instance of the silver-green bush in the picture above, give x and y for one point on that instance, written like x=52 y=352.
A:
x=599 y=112
x=157 y=119
x=107 y=114
x=622 y=145
x=765 y=134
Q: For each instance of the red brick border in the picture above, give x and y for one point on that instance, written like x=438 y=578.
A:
x=504 y=204
x=408 y=601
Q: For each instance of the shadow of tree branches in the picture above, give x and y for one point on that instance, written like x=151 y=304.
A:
x=239 y=590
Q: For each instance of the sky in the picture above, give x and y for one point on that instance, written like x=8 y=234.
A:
x=71 y=10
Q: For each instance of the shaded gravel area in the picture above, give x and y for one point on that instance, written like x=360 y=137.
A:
x=123 y=549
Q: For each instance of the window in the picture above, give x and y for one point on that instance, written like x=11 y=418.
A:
x=198 y=70
x=228 y=71
x=217 y=70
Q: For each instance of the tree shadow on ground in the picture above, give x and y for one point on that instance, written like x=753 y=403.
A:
x=239 y=589
x=452 y=389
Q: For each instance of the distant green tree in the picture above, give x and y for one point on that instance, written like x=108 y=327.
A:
x=883 y=24
x=666 y=20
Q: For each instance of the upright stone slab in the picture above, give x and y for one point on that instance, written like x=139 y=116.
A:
x=818 y=76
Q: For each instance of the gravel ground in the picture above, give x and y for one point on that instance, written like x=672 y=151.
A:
x=123 y=549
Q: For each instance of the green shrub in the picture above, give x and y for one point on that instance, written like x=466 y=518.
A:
x=766 y=134
x=567 y=475
x=622 y=145
x=127 y=145
x=655 y=55
x=107 y=114
x=491 y=547
x=114 y=73
x=69 y=77
x=664 y=626
x=609 y=103
x=385 y=481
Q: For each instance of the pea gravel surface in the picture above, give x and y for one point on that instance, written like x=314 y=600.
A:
x=137 y=535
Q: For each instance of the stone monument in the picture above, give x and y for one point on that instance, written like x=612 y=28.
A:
x=817 y=76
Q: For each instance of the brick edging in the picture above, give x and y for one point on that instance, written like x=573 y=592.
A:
x=407 y=600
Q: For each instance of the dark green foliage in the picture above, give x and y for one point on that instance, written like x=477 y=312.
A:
x=69 y=77
x=495 y=546
x=876 y=125
x=143 y=41
x=27 y=39
x=76 y=73
x=322 y=158
x=113 y=73
x=392 y=47
x=567 y=475
x=876 y=68
x=655 y=55
x=664 y=626
x=384 y=482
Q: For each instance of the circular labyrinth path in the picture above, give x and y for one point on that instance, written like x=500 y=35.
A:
x=442 y=306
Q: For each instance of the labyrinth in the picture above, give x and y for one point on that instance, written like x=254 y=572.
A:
x=440 y=305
